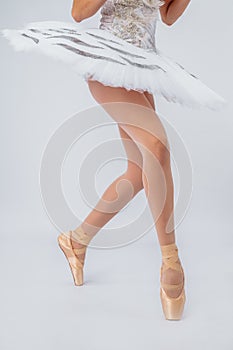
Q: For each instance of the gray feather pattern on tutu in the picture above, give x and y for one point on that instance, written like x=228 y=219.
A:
x=99 y=55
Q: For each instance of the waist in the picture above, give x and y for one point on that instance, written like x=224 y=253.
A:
x=130 y=20
x=134 y=32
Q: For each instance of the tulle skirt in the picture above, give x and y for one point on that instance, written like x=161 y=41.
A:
x=100 y=55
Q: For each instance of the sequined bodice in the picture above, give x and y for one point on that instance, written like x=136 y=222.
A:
x=131 y=20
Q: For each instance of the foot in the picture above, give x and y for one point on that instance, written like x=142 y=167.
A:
x=172 y=273
x=79 y=242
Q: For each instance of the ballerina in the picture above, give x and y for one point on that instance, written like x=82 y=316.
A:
x=120 y=62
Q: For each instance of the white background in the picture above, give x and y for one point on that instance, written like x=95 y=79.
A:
x=119 y=305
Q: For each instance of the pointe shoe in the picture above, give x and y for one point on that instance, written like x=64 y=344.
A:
x=172 y=307
x=75 y=256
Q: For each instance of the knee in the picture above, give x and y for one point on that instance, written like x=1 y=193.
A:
x=134 y=175
x=160 y=149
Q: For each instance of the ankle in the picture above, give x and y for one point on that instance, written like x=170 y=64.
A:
x=170 y=256
x=171 y=269
x=79 y=236
x=171 y=263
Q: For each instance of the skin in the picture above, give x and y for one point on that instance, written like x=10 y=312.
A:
x=140 y=146
x=170 y=11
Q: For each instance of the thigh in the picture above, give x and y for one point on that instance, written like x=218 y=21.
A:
x=131 y=148
x=150 y=98
x=133 y=153
x=134 y=113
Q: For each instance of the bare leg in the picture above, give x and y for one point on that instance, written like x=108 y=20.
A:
x=152 y=146
x=156 y=175
x=112 y=201
x=120 y=192
x=117 y=195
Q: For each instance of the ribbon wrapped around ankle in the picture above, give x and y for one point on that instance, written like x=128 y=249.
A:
x=80 y=236
x=170 y=256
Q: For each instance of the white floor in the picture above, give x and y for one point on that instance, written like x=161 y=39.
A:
x=119 y=305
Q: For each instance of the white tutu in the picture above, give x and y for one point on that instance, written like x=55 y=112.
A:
x=98 y=54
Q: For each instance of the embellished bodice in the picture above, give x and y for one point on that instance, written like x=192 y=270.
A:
x=132 y=20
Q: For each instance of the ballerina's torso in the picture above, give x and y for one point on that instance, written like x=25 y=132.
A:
x=131 y=20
